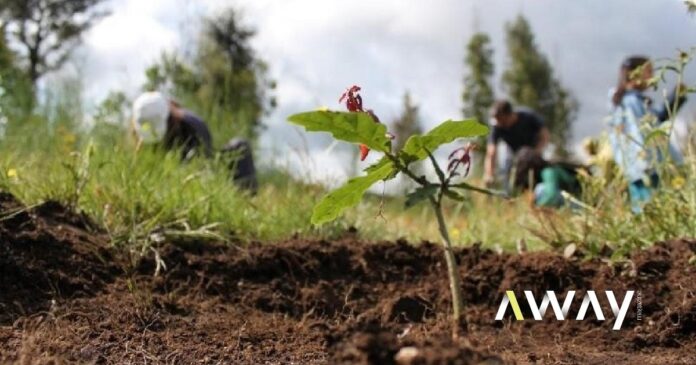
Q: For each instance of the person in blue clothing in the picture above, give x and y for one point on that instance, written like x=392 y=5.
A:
x=159 y=119
x=632 y=113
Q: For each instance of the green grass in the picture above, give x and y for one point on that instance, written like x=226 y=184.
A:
x=143 y=196
x=135 y=193
x=138 y=196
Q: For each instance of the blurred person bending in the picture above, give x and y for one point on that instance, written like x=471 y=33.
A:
x=518 y=128
x=161 y=120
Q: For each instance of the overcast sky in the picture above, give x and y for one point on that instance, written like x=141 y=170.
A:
x=316 y=48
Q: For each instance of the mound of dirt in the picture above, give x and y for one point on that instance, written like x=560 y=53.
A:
x=340 y=302
x=47 y=254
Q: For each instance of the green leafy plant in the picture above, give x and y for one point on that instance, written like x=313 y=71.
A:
x=362 y=127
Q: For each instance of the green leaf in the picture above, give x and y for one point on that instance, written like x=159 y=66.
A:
x=661 y=131
x=454 y=195
x=349 y=127
x=380 y=164
x=417 y=146
x=420 y=194
x=349 y=195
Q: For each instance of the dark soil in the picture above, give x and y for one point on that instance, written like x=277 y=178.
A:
x=66 y=297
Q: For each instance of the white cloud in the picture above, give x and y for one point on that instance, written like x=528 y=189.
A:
x=122 y=45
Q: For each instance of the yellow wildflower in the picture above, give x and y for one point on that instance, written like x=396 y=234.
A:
x=12 y=173
x=678 y=182
x=455 y=233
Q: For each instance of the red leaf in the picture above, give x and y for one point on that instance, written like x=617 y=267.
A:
x=363 y=152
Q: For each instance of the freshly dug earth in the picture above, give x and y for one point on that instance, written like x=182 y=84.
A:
x=66 y=297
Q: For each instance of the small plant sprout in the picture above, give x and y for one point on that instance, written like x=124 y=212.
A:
x=362 y=127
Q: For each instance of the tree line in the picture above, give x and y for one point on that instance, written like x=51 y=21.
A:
x=528 y=80
x=228 y=83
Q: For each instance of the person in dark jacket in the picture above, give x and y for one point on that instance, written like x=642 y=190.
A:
x=517 y=128
x=158 y=119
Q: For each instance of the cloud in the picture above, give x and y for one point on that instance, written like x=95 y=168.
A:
x=122 y=45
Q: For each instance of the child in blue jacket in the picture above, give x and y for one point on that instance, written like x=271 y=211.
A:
x=632 y=110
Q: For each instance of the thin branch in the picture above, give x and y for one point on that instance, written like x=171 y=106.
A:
x=438 y=170
x=422 y=180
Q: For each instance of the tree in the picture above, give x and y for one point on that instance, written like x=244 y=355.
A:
x=478 y=93
x=690 y=5
x=405 y=126
x=408 y=123
x=46 y=31
x=234 y=78
x=224 y=79
x=113 y=109
x=109 y=119
x=7 y=63
x=7 y=57
x=172 y=74
x=529 y=80
x=15 y=93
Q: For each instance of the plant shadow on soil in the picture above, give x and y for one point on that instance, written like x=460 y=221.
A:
x=67 y=297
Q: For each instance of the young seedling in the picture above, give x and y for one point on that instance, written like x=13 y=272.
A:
x=362 y=127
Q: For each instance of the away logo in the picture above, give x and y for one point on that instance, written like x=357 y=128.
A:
x=561 y=312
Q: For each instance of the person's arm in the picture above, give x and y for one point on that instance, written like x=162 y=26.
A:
x=489 y=163
x=543 y=140
x=205 y=137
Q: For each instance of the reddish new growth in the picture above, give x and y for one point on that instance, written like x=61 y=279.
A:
x=353 y=99
x=354 y=104
x=460 y=157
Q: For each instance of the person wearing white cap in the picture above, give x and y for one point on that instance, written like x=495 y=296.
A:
x=156 y=118
x=159 y=119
